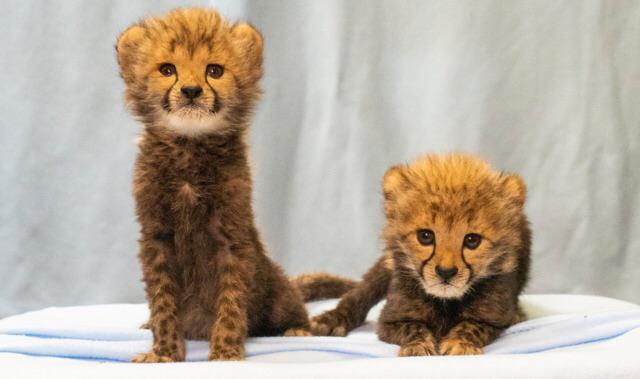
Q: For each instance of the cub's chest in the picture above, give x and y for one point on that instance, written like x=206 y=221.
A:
x=190 y=200
x=443 y=315
x=190 y=181
x=187 y=193
x=181 y=177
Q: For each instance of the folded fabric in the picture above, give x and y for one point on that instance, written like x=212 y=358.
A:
x=111 y=333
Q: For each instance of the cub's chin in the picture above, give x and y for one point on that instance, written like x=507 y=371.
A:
x=444 y=290
x=194 y=122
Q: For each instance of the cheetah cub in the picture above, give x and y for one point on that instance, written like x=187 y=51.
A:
x=456 y=259
x=192 y=79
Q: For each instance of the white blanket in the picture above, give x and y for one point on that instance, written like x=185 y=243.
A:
x=586 y=336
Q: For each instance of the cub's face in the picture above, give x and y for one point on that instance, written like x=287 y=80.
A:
x=452 y=221
x=190 y=71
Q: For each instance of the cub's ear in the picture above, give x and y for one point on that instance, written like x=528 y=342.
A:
x=393 y=182
x=515 y=187
x=126 y=48
x=249 y=42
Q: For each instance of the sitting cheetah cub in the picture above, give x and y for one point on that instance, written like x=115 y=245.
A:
x=456 y=259
x=192 y=79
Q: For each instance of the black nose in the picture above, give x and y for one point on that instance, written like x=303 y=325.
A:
x=191 y=92
x=446 y=273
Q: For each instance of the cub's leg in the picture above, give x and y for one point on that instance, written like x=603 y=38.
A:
x=468 y=338
x=414 y=338
x=288 y=312
x=230 y=328
x=519 y=316
x=168 y=340
x=291 y=315
x=355 y=304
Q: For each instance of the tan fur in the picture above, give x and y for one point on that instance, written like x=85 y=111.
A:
x=191 y=39
x=453 y=196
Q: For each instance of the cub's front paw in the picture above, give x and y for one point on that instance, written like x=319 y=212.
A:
x=456 y=346
x=151 y=358
x=297 y=332
x=227 y=353
x=330 y=323
x=417 y=349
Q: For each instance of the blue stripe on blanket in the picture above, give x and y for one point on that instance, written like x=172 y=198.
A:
x=51 y=334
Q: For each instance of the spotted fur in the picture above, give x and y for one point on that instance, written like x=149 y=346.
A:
x=453 y=196
x=205 y=269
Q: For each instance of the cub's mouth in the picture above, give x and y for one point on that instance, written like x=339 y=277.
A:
x=191 y=102
x=194 y=118
x=445 y=290
x=444 y=283
x=192 y=110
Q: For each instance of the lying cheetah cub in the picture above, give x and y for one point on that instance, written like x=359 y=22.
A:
x=456 y=259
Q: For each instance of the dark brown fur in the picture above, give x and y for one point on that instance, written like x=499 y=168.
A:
x=452 y=195
x=206 y=272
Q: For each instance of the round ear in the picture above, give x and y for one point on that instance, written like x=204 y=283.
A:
x=393 y=182
x=515 y=187
x=127 y=48
x=249 y=42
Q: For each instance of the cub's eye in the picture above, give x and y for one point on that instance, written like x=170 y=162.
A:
x=215 y=70
x=472 y=241
x=426 y=237
x=167 y=69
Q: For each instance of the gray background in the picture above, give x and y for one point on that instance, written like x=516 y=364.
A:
x=544 y=88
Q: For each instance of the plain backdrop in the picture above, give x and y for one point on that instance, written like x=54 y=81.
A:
x=544 y=88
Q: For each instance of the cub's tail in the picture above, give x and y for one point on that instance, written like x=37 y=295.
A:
x=320 y=285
